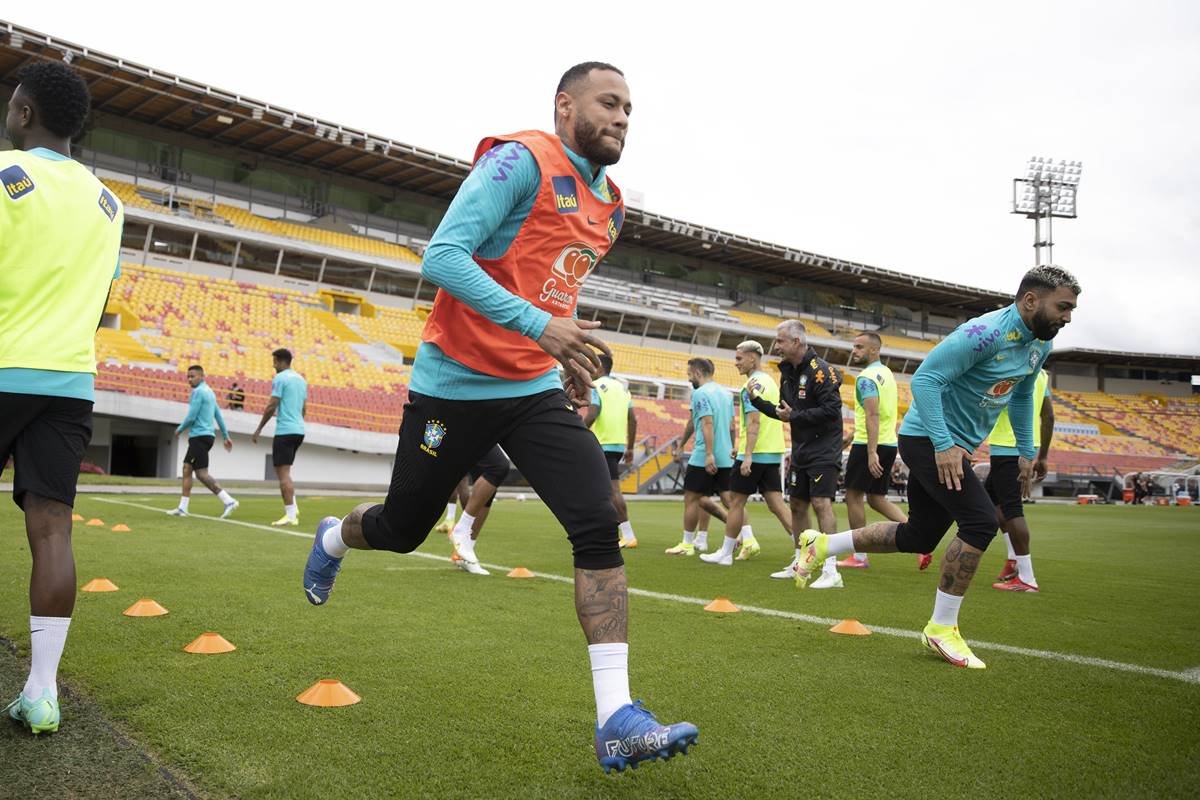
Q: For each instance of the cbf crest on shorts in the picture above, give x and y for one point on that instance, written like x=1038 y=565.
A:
x=435 y=432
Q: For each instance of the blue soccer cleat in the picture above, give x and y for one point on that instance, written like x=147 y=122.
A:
x=41 y=715
x=632 y=735
x=321 y=568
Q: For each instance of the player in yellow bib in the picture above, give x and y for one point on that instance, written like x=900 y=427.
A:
x=873 y=443
x=1004 y=486
x=759 y=453
x=611 y=418
x=60 y=239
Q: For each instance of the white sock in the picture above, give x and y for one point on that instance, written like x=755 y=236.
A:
x=1025 y=570
x=1012 y=554
x=183 y=503
x=47 y=636
x=451 y=509
x=626 y=529
x=945 y=608
x=689 y=537
x=462 y=537
x=798 y=556
x=702 y=540
x=728 y=545
x=830 y=566
x=291 y=511
x=747 y=533
x=332 y=544
x=841 y=543
x=610 y=678
x=225 y=497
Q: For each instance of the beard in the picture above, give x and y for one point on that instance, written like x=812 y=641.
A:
x=1044 y=327
x=695 y=384
x=592 y=146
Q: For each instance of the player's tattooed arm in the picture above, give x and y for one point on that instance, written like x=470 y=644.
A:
x=602 y=604
x=958 y=567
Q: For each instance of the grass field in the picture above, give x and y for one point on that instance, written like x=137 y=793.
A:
x=479 y=687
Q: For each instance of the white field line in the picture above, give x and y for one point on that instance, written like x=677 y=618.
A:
x=1187 y=676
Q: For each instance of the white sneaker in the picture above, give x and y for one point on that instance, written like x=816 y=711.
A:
x=229 y=509
x=717 y=557
x=701 y=545
x=787 y=573
x=177 y=512
x=828 y=580
x=472 y=566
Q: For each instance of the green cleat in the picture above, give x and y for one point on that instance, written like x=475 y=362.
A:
x=814 y=549
x=681 y=549
x=947 y=642
x=41 y=715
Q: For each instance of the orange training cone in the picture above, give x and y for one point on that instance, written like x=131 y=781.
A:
x=208 y=643
x=121 y=527
x=851 y=627
x=99 y=585
x=145 y=608
x=722 y=606
x=328 y=694
x=77 y=518
x=95 y=523
x=520 y=572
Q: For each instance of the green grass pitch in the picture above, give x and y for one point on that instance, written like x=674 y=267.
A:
x=479 y=687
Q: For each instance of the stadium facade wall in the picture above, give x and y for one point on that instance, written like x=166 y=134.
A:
x=330 y=455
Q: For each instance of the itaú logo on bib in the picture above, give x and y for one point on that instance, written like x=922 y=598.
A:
x=569 y=270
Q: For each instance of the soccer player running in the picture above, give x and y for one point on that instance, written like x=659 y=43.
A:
x=1003 y=486
x=811 y=402
x=202 y=410
x=289 y=396
x=708 y=468
x=760 y=451
x=527 y=226
x=60 y=239
x=959 y=390
x=611 y=418
x=486 y=476
x=873 y=443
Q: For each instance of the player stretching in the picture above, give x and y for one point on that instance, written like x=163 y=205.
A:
x=1004 y=486
x=289 y=396
x=202 y=409
x=712 y=457
x=612 y=419
x=873 y=443
x=760 y=448
x=60 y=239
x=527 y=226
x=811 y=402
x=959 y=391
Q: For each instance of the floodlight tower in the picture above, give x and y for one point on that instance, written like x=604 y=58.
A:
x=1047 y=191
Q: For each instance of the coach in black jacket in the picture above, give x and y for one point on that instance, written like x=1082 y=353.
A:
x=811 y=402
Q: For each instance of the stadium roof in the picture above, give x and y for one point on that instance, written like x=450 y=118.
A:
x=1116 y=358
x=134 y=92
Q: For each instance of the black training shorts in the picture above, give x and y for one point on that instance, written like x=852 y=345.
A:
x=46 y=438
x=763 y=478
x=197 y=452
x=806 y=483
x=859 y=477
x=1003 y=485
x=283 y=449
x=698 y=480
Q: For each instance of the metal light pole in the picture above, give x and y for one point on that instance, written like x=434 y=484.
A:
x=1048 y=190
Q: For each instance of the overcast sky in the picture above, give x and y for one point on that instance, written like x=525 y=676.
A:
x=882 y=132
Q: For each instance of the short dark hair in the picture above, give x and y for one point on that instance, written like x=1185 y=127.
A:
x=1046 y=278
x=59 y=96
x=702 y=365
x=196 y=367
x=580 y=71
x=873 y=336
x=283 y=354
x=606 y=363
